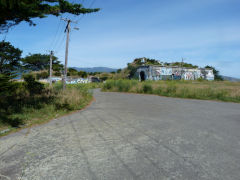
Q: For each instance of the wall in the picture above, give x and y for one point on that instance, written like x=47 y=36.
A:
x=176 y=73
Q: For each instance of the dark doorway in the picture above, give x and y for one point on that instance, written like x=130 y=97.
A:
x=142 y=76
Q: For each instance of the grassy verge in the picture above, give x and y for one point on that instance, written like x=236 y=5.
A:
x=206 y=90
x=29 y=110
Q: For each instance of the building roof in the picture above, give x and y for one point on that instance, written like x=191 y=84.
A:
x=146 y=66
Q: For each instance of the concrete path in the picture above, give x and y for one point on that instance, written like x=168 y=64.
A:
x=129 y=136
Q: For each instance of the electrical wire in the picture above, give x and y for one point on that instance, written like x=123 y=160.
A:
x=55 y=35
x=60 y=45
x=58 y=40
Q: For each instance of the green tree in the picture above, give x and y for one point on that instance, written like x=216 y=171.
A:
x=72 y=72
x=82 y=74
x=36 y=62
x=145 y=61
x=119 y=70
x=32 y=85
x=9 y=58
x=217 y=76
x=131 y=69
x=12 y=12
x=5 y=86
x=42 y=75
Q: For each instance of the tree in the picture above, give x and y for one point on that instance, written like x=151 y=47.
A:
x=145 y=61
x=82 y=74
x=119 y=70
x=12 y=12
x=72 y=72
x=5 y=86
x=32 y=85
x=36 y=62
x=131 y=69
x=215 y=72
x=9 y=58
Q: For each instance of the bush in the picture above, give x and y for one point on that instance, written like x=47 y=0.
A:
x=159 y=90
x=123 y=86
x=147 y=88
x=5 y=85
x=103 y=78
x=171 y=89
x=71 y=99
x=42 y=104
x=32 y=85
x=42 y=75
x=57 y=73
x=108 y=85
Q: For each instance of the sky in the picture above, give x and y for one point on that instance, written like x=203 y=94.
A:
x=203 y=32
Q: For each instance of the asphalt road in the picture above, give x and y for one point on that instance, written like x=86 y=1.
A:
x=129 y=136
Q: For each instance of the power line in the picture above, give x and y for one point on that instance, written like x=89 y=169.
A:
x=59 y=39
x=57 y=30
x=60 y=45
x=57 y=42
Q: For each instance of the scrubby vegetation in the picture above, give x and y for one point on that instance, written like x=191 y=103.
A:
x=207 y=90
x=31 y=102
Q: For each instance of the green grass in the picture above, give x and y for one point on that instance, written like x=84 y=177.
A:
x=206 y=90
x=53 y=103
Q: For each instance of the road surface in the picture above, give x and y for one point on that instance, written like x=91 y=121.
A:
x=129 y=136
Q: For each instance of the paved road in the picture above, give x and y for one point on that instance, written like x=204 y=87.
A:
x=129 y=136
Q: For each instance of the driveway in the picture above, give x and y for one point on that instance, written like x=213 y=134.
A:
x=129 y=136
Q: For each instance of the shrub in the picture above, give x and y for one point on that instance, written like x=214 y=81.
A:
x=147 y=88
x=171 y=89
x=159 y=90
x=32 y=85
x=57 y=73
x=108 y=85
x=123 y=86
x=71 y=99
x=5 y=85
x=42 y=75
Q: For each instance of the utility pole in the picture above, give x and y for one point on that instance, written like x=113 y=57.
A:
x=50 y=69
x=68 y=29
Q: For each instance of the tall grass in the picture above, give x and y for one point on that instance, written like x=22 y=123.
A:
x=207 y=90
x=25 y=109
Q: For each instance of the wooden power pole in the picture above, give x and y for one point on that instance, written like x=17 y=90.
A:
x=50 y=69
x=68 y=29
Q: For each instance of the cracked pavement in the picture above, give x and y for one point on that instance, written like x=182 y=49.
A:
x=129 y=136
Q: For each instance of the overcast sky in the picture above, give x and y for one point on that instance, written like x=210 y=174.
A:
x=203 y=32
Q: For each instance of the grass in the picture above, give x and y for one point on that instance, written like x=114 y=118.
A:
x=38 y=109
x=206 y=90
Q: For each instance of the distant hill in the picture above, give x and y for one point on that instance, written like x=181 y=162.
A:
x=227 y=78
x=95 y=69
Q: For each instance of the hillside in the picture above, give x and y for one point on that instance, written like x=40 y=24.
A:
x=227 y=78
